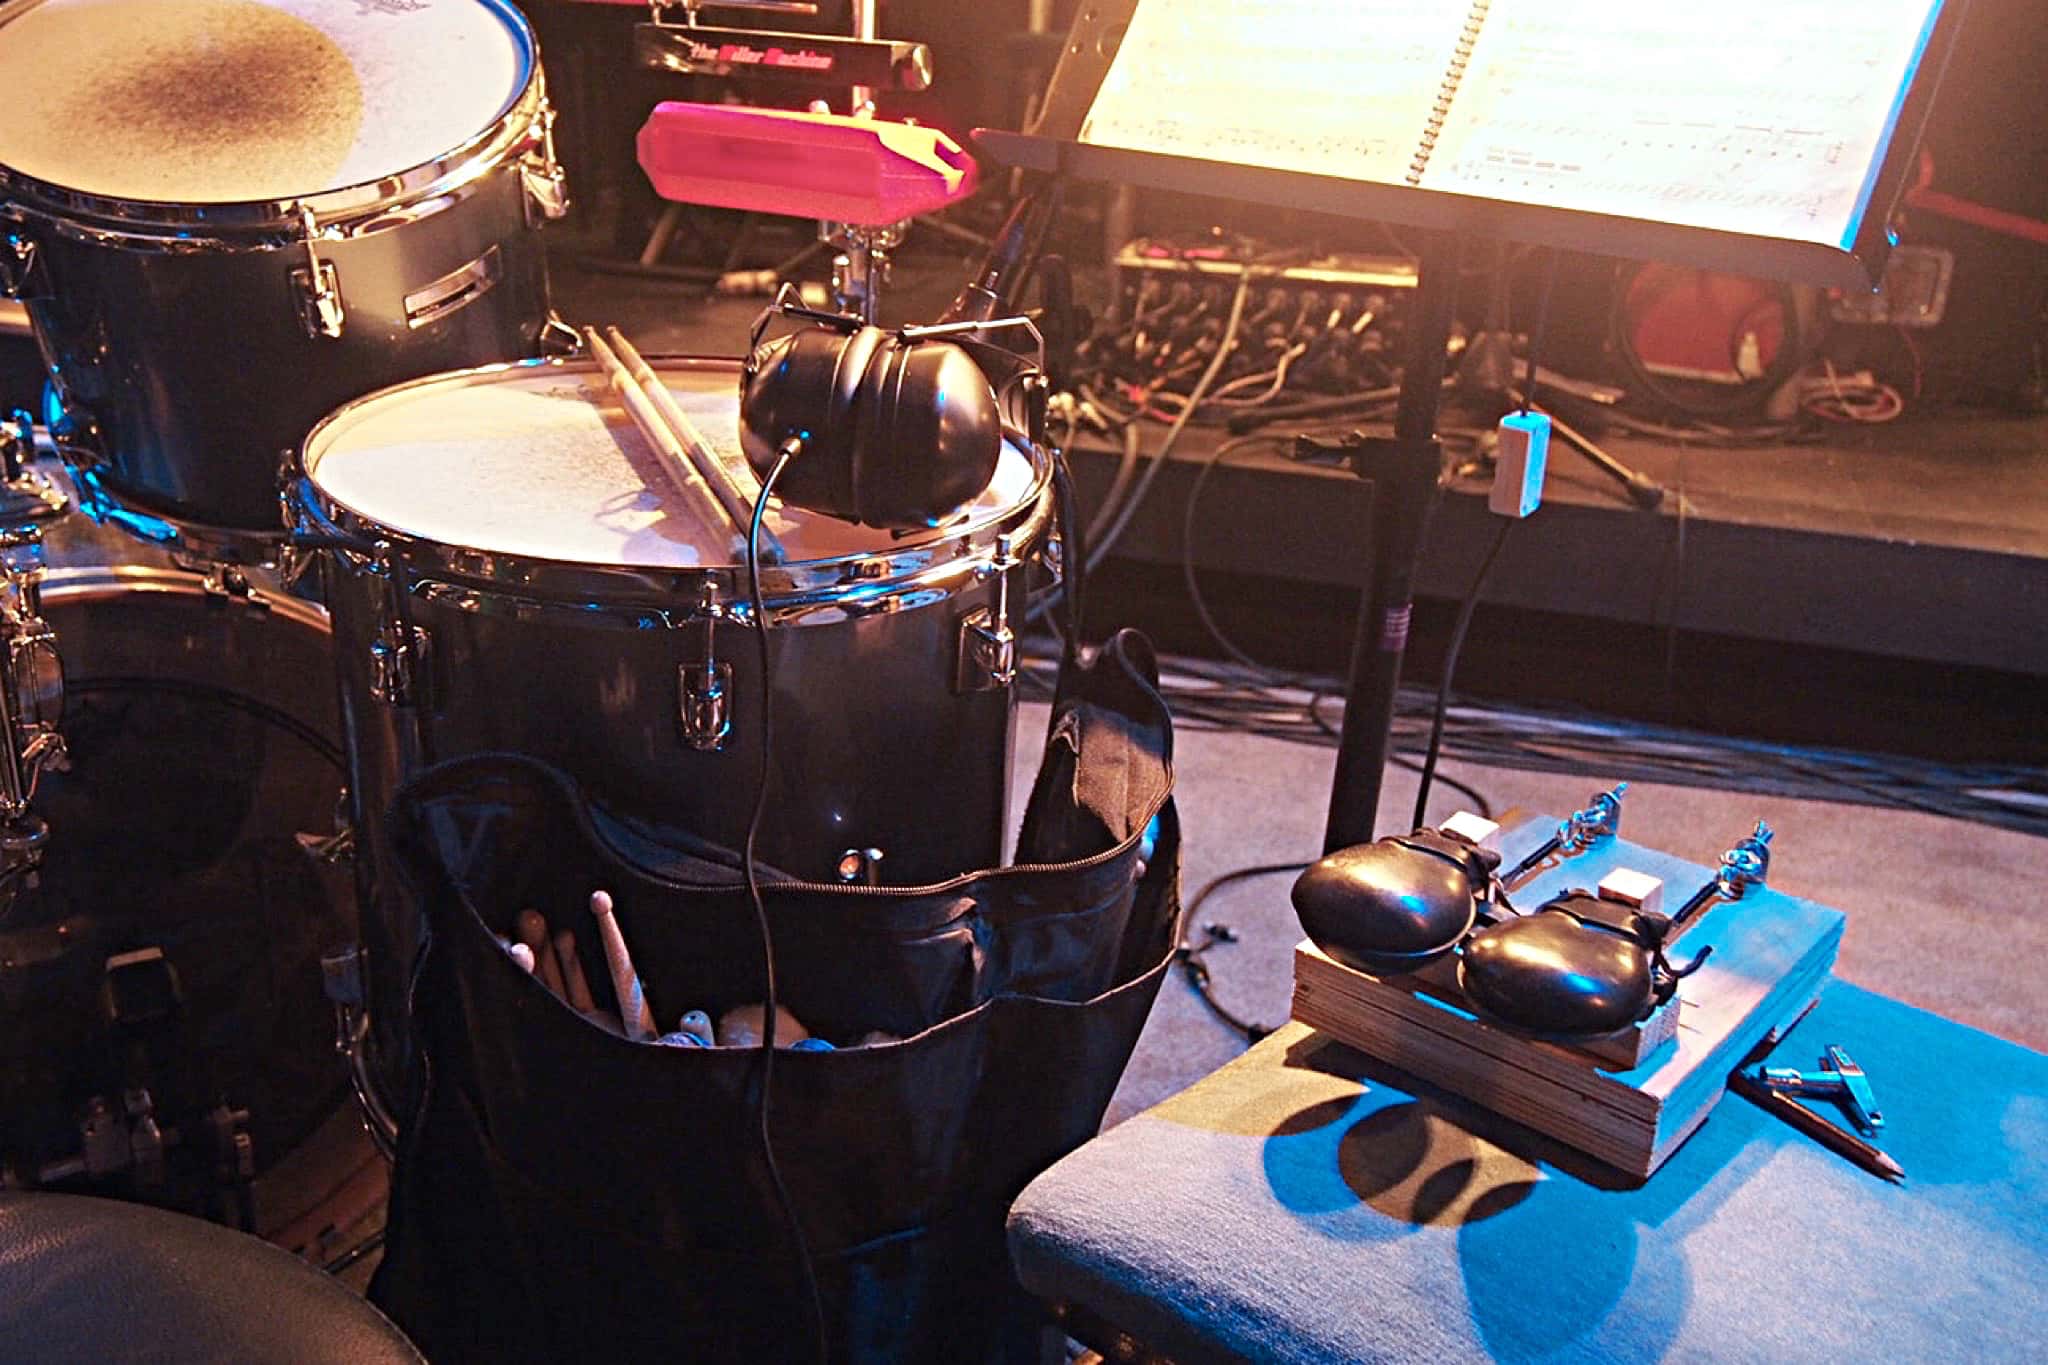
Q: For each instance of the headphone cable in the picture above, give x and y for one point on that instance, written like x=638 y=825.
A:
x=770 y=1002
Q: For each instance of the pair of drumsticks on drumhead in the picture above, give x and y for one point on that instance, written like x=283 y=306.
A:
x=705 y=481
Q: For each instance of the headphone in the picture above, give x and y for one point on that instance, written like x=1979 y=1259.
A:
x=892 y=430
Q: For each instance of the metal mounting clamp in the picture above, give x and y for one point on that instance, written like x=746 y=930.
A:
x=318 y=285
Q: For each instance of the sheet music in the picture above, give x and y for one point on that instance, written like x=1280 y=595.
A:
x=1755 y=116
x=1325 y=87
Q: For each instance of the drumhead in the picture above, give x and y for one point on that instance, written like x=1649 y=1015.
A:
x=236 y=101
x=542 y=462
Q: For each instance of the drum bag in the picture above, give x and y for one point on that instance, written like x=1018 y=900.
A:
x=561 y=1193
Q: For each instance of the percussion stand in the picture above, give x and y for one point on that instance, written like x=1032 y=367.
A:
x=32 y=690
x=861 y=265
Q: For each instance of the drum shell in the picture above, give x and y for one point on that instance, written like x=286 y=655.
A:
x=195 y=376
x=872 y=745
x=131 y=624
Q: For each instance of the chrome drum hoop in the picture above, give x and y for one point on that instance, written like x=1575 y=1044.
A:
x=931 y=568
x=523 y=129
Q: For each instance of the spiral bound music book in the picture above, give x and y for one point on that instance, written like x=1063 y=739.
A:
x=1772 y=135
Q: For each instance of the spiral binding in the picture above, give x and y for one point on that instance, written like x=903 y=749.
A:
x=1454 y=75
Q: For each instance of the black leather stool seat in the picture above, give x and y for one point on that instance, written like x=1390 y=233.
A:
x=96 y=1280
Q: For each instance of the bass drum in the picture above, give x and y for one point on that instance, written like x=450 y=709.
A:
x=201 y=732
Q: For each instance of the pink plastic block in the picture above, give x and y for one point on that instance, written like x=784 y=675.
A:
x=830 y=166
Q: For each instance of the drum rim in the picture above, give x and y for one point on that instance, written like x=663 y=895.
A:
x=519 y=128
x=819 y=591
x=84 y=584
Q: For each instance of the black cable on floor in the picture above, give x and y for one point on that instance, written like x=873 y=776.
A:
x=1190 y=955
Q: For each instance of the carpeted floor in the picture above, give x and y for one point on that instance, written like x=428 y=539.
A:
x=1942 y=914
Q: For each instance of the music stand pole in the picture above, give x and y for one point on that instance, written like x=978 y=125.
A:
x=1403 y=470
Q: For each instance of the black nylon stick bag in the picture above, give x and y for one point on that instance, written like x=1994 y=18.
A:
x=562 y=1193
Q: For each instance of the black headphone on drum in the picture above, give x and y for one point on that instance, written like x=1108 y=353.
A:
x=893 y=429
x=897 y=428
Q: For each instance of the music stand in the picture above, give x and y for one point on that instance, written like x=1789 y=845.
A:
x=1404 y=469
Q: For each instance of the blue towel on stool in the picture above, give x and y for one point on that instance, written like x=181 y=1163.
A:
x=1307 y=1204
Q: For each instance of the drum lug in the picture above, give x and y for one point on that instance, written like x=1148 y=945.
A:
x=17 y=263
x=704 y=684
x=987 y=657
x=318 y=285
x=706 y=706
x=547 y=187
x=397 y=665
x=558 y=338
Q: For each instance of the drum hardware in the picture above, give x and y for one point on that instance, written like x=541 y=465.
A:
x=988 y=646
x=144 y=1001
x=395 y=664
x=1598 y=819
x=400 y=650
x=335 y=847
x=1743 y=866
x=319 y=285
x=558 y=340
x=704 y=706
x=457 y=289
x=547 y=184
x=132 y=1143
x=860 y=266
x=26 y=493
x=111 y=1143
x=31 y=702
x=17 y=263
x=342 y=978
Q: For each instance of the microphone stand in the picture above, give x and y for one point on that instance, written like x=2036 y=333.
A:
x=1404 y=471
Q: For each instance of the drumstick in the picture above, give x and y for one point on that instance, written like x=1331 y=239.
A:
x=717 y=473
x=533 y=932
x=572 y=972
x=633 y=1010
x=669 y=450
x=522 y=955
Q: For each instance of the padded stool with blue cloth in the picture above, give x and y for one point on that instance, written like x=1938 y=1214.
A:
x=97 y=1280
x=1306 y=1203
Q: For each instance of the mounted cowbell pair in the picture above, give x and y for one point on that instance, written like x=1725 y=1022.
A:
x=1578 y=967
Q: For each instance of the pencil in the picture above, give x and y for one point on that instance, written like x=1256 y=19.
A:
x=1864 y=1154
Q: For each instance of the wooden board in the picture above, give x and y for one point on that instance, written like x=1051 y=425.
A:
x=1772 y=954
x=1617 y=1051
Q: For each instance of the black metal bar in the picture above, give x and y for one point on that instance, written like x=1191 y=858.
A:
x=1404 y=473
x=808 y=59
